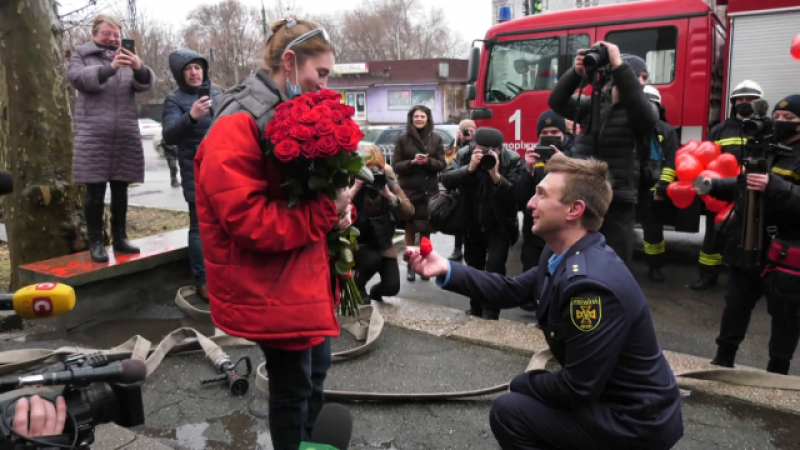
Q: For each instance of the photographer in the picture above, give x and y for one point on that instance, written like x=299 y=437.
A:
x=728 y=135
x=378 y=204
x=485 y=178
x=625 y=118
x=780 y=201
x=466 y=131
x=660 y=172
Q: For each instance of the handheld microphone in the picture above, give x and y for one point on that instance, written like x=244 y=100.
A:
x=126 y=371
x=38 y=301
x=6 y=183
x=332 y=429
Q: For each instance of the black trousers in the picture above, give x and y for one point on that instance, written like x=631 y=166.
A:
x=741 y=295
x=618 y=227
x=651 y=217
x=369 y=261
x=710 y=260
x=486 y=251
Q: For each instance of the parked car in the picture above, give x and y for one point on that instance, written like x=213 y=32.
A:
x=387 y=138
x=371 y=133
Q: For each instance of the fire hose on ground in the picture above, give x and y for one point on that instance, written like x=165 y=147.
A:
x=367 y=328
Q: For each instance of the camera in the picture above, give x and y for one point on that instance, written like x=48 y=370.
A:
x=596 y=57
x=88 y=404
x=487 y=162
x=466 y=132
x=379 y=179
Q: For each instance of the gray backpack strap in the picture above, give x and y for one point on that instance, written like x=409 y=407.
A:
x=255 y=97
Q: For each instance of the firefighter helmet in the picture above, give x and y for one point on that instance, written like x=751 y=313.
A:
x=652 y=94
x=747 y=88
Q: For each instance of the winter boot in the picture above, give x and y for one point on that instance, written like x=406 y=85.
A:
x=724 y=358
x=93 y=205
x=780 y=366
x=173 y=171
x=119 y=212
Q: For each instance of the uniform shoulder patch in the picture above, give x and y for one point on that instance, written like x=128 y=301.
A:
x=575 y=265
x=586 y=313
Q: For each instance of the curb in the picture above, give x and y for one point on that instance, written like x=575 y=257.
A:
x=527 y=339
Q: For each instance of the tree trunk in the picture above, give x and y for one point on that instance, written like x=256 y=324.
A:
x=44 y=214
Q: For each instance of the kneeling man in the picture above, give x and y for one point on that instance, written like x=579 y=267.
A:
x=616 y=390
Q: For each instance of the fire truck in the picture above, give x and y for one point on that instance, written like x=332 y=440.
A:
x=693 y=56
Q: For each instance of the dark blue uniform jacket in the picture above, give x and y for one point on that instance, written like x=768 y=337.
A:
x=597 y=323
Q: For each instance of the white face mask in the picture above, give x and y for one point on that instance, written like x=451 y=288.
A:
x=294 y=91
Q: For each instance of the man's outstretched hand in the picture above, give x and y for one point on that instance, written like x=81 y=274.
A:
x=429 y=266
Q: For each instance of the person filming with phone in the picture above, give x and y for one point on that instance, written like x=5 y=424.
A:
x=108 y=144
x=188 y=114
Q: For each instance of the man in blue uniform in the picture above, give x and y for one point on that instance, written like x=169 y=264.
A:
x=616 y=389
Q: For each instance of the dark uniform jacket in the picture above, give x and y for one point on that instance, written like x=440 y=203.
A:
x=669 y=146
x=598 y=326
x=179 y=128
x=624 y=125
x=728 y=135
x=781 y=203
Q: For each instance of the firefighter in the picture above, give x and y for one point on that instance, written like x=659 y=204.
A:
x=729 y=136
x=664 y=144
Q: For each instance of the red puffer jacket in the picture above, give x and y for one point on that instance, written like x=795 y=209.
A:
x=267 y=266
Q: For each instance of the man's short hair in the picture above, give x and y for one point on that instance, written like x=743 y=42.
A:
x=586 y=180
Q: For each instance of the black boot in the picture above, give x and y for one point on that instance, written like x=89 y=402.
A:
x=704 y=283
x=93 y=207
x=119 y=212
x=173 y=171
x=724 y=358
x=780 y=366
x=410 y=276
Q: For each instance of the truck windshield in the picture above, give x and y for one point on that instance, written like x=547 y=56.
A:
x=521 y=66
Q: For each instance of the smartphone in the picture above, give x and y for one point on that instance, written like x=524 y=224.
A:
x=204 y=91
x=129 y=45
x=545 y=152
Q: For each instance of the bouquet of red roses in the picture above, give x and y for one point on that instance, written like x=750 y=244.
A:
x=315 y=139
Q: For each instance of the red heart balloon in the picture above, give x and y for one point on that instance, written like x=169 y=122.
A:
x=722 y=215
x=681 y=193
x=687 y=148
x=726 y=165
x=687 y=167
x=795 y=50
x=706 y=152
x=713 y=204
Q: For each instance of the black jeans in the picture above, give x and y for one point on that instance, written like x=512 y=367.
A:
x=369 y=261
x=486 y=251
x=618 y=229
x=296 y=380
x=741 y=295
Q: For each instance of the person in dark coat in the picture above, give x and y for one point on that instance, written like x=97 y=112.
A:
x=466 y=131
x=615 y=389
x=108 y=143
x=418 y=158
x=626 y=117
x=492 y=223
x=187 y=118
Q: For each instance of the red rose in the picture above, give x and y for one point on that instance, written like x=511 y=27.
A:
x=289 y=122
x=333 y=104
x=309 y=149
x=311 y=117
x=325 y=126
x=323 y=110
x=285 y=106
x=347 y=137
x=315 y=97
x=328 y=146
x=328 y=94
x=281 y=115
x=280 y=134
x=337 y=116
x=348 y=110
x=301 y=132
x=287 y=150
x=299 y=109
x=271 y=127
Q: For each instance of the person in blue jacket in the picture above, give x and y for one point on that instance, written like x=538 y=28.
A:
x=615 y=389
x=186 y=120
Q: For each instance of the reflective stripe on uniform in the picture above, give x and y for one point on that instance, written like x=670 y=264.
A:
x=539 y=164
x=655 y=249
x=732 y=141
x=667 y=174
x=714 y=259
x=786 y=173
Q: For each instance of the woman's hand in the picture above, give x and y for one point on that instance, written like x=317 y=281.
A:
x=134 y=60
x=345 y=219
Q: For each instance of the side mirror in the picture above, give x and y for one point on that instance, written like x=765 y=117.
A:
x=473 y=65
x=472 y=92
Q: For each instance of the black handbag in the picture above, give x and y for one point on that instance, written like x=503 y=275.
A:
x=447 y=213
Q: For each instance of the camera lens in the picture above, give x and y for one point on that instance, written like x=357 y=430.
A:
x=379 y=181
x=488 y=162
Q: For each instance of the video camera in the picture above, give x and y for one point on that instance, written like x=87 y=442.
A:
x=95 y=392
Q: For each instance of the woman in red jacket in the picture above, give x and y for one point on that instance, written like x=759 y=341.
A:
x=269 y=277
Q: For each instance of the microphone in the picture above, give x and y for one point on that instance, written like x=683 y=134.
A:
x=332 y=429
x=126 y=371
x=38 y=301
x=6 y=183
